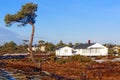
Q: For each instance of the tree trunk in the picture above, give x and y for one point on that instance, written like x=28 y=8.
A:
x=30 y=43
x=30 y=47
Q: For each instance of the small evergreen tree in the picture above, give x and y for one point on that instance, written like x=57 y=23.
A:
x=60 y=44
x=70 y=44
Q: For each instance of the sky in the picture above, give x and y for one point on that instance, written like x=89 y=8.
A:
x=67 y=20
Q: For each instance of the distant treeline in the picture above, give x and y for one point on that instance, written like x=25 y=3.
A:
x=12 y=47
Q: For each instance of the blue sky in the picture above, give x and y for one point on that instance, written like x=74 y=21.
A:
x=67 y=20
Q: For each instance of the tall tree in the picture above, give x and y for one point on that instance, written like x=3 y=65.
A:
x=25 y=42
x=70 y=44
x=9 y=47
x=77 y=44
x=49 y=47
x=60 y=44
x=25 y=16
x=41 y=43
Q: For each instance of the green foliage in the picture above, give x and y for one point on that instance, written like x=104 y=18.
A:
x=100 y=57
x=60 y=44
x=79 y=58
x=110 y=51
x=38 y=59
x=53 y=54
x=70 y=44
x=9 y=47
x=119 y=54
x=49 y=47
x=76 y=58
x=110 y=45
x=53 y=58
x=12 y=47
x=22 y=49
x=25 y=15
x=76 y=44
x=61 y=61
x=111 y=56
x=41 y=43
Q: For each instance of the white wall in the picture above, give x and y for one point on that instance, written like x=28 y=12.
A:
x=94 y=50
x=65 y=51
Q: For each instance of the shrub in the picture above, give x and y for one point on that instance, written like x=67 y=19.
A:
x=53 y=58
x=79 y=58
x=111 y=56
x=98 y=57
x=38 y=59
x=61 y=61
x=52 y=53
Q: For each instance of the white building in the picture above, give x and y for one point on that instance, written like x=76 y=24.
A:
x=64 y=51
x=42 y=48
x=91 y=49
x=34 y=48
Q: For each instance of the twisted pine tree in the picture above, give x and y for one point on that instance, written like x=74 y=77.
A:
x=25 y=16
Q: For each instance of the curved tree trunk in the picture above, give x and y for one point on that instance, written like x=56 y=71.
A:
x=30 y=43
x=30 y=47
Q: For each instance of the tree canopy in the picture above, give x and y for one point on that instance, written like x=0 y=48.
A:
x=60 y=44
x=70 y=44
x=25 y=15
x=9 y=47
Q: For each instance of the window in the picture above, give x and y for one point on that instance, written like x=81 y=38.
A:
x=85 y=51
x=65 y=50
x=95 y=50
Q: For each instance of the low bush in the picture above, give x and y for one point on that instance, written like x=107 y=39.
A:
x=100 y=57
x=79 y=58
x=38 y=59
x=61 y=61
x=53 y=58
x=76 y=58
x=111 y=56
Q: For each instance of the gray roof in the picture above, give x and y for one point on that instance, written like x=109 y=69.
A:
x=83 y=46
x=59 y=47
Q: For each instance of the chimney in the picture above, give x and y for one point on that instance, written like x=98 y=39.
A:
x=89 y=42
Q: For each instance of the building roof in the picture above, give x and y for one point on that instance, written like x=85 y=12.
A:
x=59 y=47
x=83 y=46
x=62 y=47
x=116 y=47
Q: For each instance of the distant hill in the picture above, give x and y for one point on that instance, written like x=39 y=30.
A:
x=7 y=35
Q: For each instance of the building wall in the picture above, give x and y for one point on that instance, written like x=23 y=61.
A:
x=65 y=51
x=42 y=48
x=94 y=50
